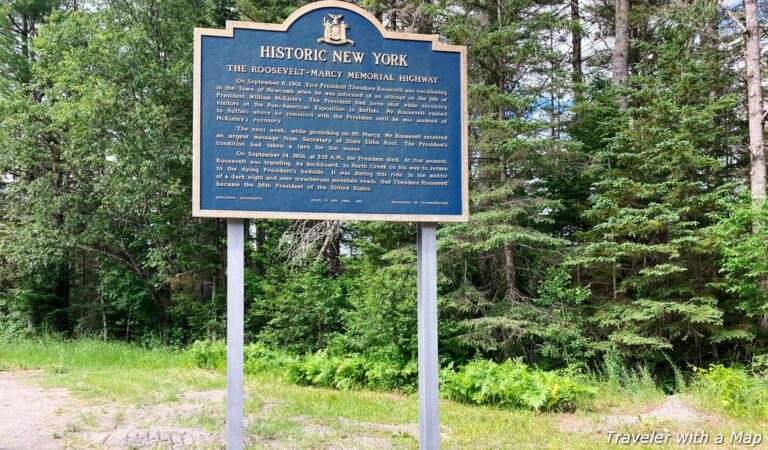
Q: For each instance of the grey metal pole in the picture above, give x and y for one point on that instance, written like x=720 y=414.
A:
x=235 y=287
x=429 y=414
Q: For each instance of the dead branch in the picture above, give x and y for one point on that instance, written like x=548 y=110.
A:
x=307 y=239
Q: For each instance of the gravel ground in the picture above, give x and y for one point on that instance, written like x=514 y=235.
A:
x=30 y=416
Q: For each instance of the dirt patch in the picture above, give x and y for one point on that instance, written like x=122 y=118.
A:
x=159 y=425
x=674 y=411
x=344 y=433
x=410 y=429
x=346 y=438
x=167 y=437
x=218 y=395
x=30 y=416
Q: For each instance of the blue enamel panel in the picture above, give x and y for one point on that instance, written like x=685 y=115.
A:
x=324 y=128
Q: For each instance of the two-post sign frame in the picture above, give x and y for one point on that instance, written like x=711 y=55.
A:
x=253 y=156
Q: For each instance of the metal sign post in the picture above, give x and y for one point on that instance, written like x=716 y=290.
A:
x=235 y=287
x=429 y=414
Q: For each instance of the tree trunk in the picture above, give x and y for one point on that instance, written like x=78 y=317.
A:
x=755 y=103
x=711 y=40
x=554 y=126
x=128 y=325
x=212 y=335
x=577 y=73
x=163 y=297
x=329 y=250
x=621 y=48
x=24 y=39
x=62 y=293
x=104 y=334
x=755 y=117
x=510 y=272
x=257 y=240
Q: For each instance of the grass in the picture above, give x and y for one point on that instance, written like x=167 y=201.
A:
x=625 y=386
x=112 y=371
x=60 y=356
x=120 y=376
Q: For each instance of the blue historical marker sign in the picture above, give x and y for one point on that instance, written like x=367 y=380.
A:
x=329 y=116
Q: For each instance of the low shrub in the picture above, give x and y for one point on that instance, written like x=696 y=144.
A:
x=256 y=357
x=322 y=370
x=513 y=384
x=259 y=358
x=731 y=389
x=208 y=354
x=388 y=376
x=352 y=372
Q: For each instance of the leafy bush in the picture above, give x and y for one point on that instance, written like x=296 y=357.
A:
x=298 y=311
x=513 y=384
x=732 y=390
x=759 y=364
x=388 y=376
x=381 y=323
x=322 y=370
x=257 y=358
x=351 y=372
x=12 y=317
x=208 y=355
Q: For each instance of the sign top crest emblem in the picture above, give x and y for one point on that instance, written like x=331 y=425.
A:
x=335 y=31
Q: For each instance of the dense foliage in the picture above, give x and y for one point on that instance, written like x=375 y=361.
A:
x=733 y=390
x=513 y=384
x=606 y=220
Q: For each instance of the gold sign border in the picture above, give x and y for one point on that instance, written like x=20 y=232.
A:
x=436 y=46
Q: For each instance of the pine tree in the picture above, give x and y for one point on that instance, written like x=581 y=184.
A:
x=517 y=85
x=660 y=174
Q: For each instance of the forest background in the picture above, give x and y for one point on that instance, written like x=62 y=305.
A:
x=617 y=197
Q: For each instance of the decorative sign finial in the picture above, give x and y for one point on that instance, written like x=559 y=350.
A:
x=335 y=31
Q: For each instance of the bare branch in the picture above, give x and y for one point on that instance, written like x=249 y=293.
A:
x=300 y=242
x=733 y=17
